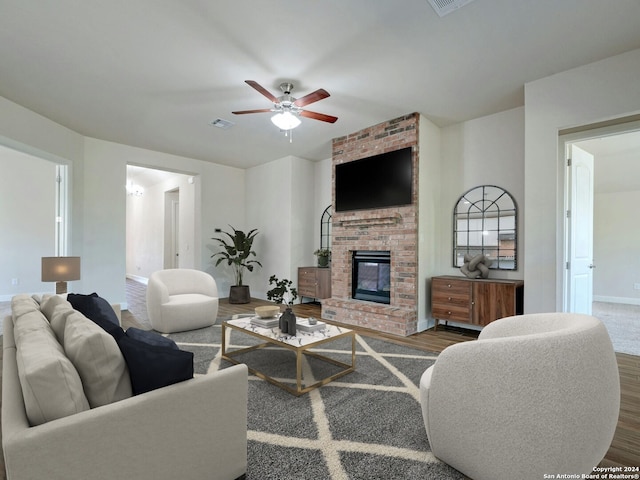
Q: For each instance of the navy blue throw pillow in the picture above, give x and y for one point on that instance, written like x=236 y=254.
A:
x=152 y=366
x=97 y=309
x=151 y=338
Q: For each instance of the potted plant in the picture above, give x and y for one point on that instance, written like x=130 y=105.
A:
x=237 y=254
x=282 y=291
x=324 y=255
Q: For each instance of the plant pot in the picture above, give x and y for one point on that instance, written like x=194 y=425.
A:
x=239 y=294
x=323 y=262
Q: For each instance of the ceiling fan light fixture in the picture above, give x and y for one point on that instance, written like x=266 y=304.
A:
x=285 y=120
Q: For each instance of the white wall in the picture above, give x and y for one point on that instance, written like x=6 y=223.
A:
x=27 y=216
x=429 y=210
x=588 y=94
x=323 y=181
x=616 y=248
x=104 y=219
x=280 y=204
x=484 y=151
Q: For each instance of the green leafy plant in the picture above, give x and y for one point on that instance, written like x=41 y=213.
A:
x=236 y=252
x=282 y=289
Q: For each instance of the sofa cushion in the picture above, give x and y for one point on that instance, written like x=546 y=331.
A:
x=21 y=304
x=51 y=386
x=152 y=366
x=98 y=359
x=93 y=306
x=150 y=337
x=58 y=319
x=50 y=302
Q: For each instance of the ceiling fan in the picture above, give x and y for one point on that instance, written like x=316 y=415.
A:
x=288 y=108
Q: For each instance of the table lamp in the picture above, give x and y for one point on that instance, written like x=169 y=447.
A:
x=60 y=270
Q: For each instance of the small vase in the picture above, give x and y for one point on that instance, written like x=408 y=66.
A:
x=289 y=320
x=282 y=323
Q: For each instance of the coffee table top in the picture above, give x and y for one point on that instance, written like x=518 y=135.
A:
x=301 y=338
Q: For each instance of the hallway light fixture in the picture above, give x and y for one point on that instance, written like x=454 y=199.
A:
x=135 y=190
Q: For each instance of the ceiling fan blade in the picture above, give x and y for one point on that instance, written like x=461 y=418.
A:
x=262 y=90
x=261 y=110
x=318 y=116
x=312 y=97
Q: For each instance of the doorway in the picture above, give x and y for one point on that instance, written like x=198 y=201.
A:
x=613 y=266
x=161 y=221
x=172 y=229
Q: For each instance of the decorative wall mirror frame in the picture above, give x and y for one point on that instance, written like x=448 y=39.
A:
x=485 y=221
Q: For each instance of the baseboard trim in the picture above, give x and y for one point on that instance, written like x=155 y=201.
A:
x=623 y=300
x=137 y=278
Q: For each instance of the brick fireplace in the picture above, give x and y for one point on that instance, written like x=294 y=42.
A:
x=387 y=229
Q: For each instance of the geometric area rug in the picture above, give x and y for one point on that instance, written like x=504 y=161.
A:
x=365 y=425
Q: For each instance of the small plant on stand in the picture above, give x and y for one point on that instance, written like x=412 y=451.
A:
x=324 y=255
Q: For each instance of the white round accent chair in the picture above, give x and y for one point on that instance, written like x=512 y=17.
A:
x=181 y=299
x=535 y=394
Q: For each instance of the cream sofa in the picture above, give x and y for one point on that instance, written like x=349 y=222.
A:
x=536 y=394
x=195 y=429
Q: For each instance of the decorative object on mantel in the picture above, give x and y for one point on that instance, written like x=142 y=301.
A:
x=324 y=255
x=237 y=254
x=476 y=266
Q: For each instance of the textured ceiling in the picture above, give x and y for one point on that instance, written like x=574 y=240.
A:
x=155 y=73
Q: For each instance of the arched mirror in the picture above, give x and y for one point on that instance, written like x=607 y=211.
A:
x=485 y=221
x=325 y=229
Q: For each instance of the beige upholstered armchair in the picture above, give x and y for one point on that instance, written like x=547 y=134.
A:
x=535 y=394
x=181 y=299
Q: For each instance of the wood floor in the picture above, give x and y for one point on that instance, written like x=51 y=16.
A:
x=625 y=448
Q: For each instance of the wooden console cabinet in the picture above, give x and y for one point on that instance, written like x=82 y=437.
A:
x=314 y=282
x=475 y=301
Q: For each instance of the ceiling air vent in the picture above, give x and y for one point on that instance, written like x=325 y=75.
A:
x=224 y=124
x=444 y=7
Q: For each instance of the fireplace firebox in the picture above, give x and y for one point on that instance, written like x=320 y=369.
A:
x=371 y=279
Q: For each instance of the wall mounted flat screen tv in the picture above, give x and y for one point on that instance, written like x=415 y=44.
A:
x=380 y=181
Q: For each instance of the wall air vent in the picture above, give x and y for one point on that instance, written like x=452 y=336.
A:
x=444 y=7
x=223 y=124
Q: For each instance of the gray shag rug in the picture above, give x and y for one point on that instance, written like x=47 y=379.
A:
x=365 y=425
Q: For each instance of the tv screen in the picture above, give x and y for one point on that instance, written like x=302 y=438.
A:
x=380 y=181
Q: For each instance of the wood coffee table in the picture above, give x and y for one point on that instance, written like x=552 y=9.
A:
x=299 y=344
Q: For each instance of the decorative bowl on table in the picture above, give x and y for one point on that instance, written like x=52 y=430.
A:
x=267 y=311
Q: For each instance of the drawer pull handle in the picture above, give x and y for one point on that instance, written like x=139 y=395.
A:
x=449 y=298
x=449 y=286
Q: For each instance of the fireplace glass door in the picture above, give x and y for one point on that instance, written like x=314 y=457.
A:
x=371 y=276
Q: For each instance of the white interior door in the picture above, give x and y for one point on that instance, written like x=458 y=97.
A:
x=175 y=234
x=580 y=232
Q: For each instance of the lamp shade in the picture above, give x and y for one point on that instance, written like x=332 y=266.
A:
x=60 y=269
x=285 y=121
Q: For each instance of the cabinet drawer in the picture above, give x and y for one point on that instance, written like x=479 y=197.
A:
x=451 y=312
x=451 y=300
x=445 y=286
